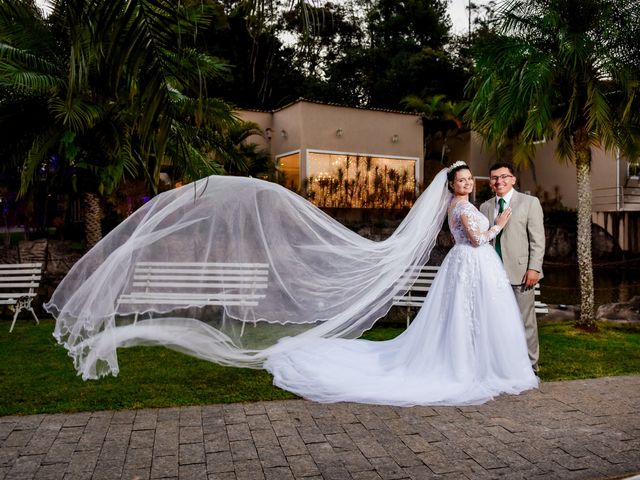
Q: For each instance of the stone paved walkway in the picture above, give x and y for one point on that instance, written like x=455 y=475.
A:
x=579 y=429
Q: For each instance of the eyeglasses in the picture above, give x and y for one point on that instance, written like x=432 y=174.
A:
x=501 y=177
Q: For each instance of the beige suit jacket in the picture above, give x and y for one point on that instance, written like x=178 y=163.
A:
x=522 y=242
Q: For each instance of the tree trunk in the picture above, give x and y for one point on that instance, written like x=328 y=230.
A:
x=92 y=219
x=585 y=265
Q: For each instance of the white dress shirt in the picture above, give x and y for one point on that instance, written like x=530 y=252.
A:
x=507 y=200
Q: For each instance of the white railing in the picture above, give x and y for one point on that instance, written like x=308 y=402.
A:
x=616 y=198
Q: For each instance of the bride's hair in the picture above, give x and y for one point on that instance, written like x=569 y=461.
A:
x=452 y=170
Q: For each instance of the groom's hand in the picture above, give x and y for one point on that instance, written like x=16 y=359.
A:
x=530 y=279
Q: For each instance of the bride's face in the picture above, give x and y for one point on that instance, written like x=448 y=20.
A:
x=463 y=182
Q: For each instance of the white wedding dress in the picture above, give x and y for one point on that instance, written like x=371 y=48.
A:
x=465 y=346
x=326 y=286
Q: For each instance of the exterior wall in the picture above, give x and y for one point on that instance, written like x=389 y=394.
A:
x=264 y=120
x=549 y=177
x=343 y=129
x=329 y=128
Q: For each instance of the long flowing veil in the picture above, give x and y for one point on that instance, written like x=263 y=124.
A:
x=323 y=280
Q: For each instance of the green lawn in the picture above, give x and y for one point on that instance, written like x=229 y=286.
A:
x=37 y=376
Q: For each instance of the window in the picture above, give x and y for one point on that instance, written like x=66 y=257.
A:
x=289 y=171
x=360 y=181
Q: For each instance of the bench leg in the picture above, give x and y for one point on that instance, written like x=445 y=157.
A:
x=34 y=315
x=15 y=316
x=23 y=303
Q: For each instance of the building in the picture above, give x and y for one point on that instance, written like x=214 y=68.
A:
x=331 y=151
x=341 y=155
x=615 y=184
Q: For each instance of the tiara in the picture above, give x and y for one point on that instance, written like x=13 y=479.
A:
x=457 y=164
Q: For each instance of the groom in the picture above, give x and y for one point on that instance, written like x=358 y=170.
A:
x=520 y=245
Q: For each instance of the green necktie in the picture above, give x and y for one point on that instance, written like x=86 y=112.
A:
x=501 y=202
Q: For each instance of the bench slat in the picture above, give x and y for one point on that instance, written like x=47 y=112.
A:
x=204 y=265
x=20 y=265
x=178 y=296
x=201 y=278
x=186 y=302
x=11 y=273
x=18 y=294
x=19 y=285
x=153 y=284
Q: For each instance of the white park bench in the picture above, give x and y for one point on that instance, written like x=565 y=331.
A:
x=418 y=280
x=19 y=283
x=187 y=284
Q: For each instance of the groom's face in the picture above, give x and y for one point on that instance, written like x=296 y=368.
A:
x=501 y=181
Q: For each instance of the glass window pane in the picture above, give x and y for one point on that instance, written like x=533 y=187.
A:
x=289 y=171
x=360 y=181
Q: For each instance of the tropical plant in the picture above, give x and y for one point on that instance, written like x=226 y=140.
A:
x=442 y=120
x=563 y=69
x=119 y=90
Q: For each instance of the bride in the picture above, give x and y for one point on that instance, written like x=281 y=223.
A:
x=326 y=286
x=466 y=344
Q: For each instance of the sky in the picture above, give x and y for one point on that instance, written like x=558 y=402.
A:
x=459 y=14
x=457 y=11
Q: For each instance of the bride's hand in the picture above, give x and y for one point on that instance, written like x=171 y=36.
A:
x=503 y=218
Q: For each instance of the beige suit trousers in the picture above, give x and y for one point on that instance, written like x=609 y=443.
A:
x=526 y=301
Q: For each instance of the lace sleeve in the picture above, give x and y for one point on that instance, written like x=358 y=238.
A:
x=472 y=228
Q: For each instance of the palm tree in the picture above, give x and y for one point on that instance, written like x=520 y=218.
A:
x=123 y=88
x=561 y=68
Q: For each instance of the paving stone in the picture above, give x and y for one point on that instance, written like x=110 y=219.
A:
x=195 y=471
x=278 y=473
x=219 y=462
x=387 y=468
x=239 y=431
x=25 y=466
x=311 y=434
x=370 y=475
x=191 y=453
x=272 y=456
x=264 y=437
x=216 y=441
x=302 y=465
x=59 y=452
x=354 y=461
x=293 y=445
x=243 y=450
x=249 y=470
x=53 y=471
x=138 y=458
x=19 y=438
x=145 y=420
x=258 y=421
x=82 y=461
x=341 y=442
x=166 y=440
x=284 y=428
x=222 y=476
x=165 y=466
x=191 y=416
x=191 y=433
x=107 y=470
x=142 y=439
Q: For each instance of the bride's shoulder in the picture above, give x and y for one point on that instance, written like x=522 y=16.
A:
x=460 y=204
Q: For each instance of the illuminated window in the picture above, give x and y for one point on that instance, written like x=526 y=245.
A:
x=360 y=181
x=289 y=171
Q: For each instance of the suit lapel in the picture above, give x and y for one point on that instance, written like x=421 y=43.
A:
x=492 y=210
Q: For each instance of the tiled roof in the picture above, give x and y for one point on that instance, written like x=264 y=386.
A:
x=331 y=104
